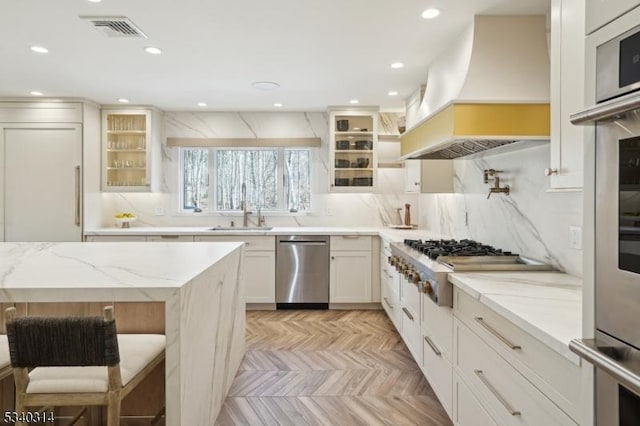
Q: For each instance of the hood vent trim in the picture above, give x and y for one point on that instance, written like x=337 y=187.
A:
x=463 y=148
x=115 y=26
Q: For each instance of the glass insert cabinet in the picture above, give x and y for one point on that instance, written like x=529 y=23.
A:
x=353 y=145
x=126 y=150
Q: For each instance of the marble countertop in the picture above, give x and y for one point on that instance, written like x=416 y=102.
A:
x=387 y=233
x=47 y=272
x=547 y=305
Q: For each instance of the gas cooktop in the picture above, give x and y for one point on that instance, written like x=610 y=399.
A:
x=436 y=248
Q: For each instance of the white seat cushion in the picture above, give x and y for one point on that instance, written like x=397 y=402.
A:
x=136 y=351
x=5 y=359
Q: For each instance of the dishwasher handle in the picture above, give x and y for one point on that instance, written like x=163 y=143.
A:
x=304 y=242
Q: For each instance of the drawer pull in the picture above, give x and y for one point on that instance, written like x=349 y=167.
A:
x=500 y=337
x=388 y=304
x=495 y=393
x=407 y=313
x=351 y=237
x=433 y=346
x=167 y=237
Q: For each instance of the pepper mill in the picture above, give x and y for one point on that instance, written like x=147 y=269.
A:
x=407 y=214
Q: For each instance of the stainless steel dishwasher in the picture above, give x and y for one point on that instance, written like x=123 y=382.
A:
x=302 y=272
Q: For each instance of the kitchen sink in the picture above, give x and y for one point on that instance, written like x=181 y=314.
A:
x=241 y=228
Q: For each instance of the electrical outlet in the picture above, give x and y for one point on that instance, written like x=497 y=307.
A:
x=158 y=211
x=328 y=211
x=575 y=237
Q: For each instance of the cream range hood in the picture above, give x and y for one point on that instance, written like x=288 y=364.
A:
x=489 y=89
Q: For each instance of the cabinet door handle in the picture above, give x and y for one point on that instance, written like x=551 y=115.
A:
x=166 y=237
x=500 y=337
x=407 y=313
x=495 y=393
x=77 y=194
x=387 y=302
x=351 y=237
x=432 y=345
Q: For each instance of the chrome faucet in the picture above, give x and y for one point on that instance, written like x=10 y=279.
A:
x=245 y=213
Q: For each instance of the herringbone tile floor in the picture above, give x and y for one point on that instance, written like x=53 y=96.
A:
x=328 y=368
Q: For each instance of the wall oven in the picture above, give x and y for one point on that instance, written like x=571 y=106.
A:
x=615 y=349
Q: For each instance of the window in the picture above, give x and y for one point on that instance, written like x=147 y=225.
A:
x=276 y=179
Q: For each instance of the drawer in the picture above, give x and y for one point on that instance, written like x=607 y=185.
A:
x=438 y=321
x=552 y=373
x=410 y=297
x=504 y=392
x=351 y=242
x=252 y=243
x=411 y=334
x=114 y=238
x=170 y=238
x=438 y=370
x=467 y=410
x=391 y=305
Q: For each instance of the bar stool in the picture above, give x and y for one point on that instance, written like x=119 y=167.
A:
x=5 y=360
x=78 y=361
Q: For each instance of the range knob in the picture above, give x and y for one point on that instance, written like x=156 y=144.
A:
x=391 y=260
x=408 y=271
x=428 y=288
x=416 y=278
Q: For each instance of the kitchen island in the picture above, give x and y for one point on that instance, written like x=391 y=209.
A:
x=198 y=283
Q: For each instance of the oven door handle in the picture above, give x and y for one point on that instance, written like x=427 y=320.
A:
x=607 y=110
x=587 y=349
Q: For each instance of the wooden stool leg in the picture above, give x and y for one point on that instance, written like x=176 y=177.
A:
x=20 y=407
x=113 y=409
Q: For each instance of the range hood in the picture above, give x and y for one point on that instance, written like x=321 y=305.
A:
x=489 y=89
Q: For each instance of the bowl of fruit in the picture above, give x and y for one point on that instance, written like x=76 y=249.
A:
x=125 y=218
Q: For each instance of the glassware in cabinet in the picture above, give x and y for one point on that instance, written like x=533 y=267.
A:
x=126 y=143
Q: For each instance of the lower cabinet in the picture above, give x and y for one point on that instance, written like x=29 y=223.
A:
x=114 y=238
x=410 y=315
x=505 y=394
x=259 y=268
x=467 y=409
x=350 y=278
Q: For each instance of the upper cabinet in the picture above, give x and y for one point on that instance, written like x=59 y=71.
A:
x=601 y=12
x=353 y=142
x=567 y=93
x=130 y=145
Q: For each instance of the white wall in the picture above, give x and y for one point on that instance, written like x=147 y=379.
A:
x=329 y=209
x=530 y=221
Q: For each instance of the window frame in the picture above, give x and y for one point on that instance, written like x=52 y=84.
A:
x=280 y=175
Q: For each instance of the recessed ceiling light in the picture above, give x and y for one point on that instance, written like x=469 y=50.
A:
x=265 y=85
x=354 y=101
x=202 y=104
x=36 y=93
x=393 y=93
x=397 y=65
x=123 y=100
x=277 y=105
x=431 y=13
x=153 y=50
x=39 y=49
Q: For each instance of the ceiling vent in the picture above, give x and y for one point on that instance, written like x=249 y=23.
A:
x=115 y=26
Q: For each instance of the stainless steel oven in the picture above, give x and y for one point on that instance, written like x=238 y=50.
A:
x=615 y=350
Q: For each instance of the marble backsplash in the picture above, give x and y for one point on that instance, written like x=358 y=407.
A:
x=531 y=220
x=328 y=209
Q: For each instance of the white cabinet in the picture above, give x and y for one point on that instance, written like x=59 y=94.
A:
x=428 y=176
x=601 y=12
x=567 y=93
x=259 y=270
x=468 y=411
x=114 y=238
x=131 y=158
x=350 y=277
x=410 y=318
x=353 y=139
x=350 y=269
x=510 y=371
x=437 y=343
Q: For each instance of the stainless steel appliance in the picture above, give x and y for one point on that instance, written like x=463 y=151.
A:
x=615 y=350
x=302 y=272
x=427 y=263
